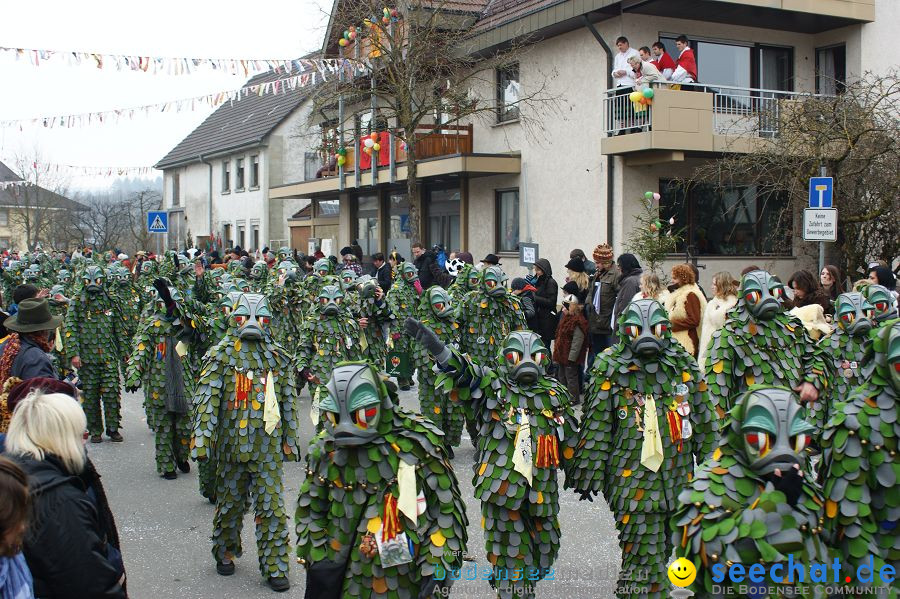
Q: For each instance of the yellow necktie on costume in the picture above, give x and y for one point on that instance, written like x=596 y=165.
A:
x=651 y=450
x=58 y=343
x=271 y=413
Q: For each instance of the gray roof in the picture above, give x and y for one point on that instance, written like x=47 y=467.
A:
x=243 y=123
x=7 y=174
x=14 y=197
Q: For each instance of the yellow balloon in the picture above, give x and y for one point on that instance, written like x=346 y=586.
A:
x=376 y=147
x=635 y=96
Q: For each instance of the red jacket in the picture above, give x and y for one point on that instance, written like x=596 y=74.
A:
x=664 y=62
x=687 y=62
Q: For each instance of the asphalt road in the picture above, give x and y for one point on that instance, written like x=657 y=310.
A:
x=165 y=527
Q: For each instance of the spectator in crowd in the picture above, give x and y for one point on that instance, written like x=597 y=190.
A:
x=807 y=290
x=628 y=284
x=644 y=53
x=645 y=73
x=662 y=60
x=350 y=261
x=830 y=277
x=71 y=546
x=882 y=275
x=357 y=251
x=26 y=353
x=423 y=258
x=685 y=306
x=21 y=293
x=545 y=297
x=490 y=260
x=571 y=345
x=523 y=290
x=15 y=505
x=466 y=257
x=381 y=271
x=575 y=273
x=601 y=299
x=724 y=289
x=589 y=267
x=686 y=65
x=650 y=288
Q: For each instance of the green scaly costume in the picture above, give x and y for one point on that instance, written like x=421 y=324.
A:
x=641 y=459
x=352 y=496
x=403 y=300
x=246 y=421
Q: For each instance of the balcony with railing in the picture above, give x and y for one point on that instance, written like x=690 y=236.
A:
x=440 y=150
x=694 y=118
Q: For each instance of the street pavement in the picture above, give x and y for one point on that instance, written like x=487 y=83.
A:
x=165 y=526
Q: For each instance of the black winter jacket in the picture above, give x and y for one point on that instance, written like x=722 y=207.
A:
x=423 y=264
x=67 y=546
x=629 y=284
x=31 y=361
x=545 y=299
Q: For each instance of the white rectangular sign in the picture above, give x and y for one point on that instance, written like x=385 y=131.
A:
x=819 y=224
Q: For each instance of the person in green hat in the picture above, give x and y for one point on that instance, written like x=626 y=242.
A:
x=24 y=354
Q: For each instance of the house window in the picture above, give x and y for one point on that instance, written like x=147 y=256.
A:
x=239 y=172
x=508 y=93
x=176 y=189
x=831 y=70
x=443 y=218
x=367 y=224
x=254 y=171
x=226 y=176
x=328 y=209
x=4 y=217
x=736 y=220
x=226 y=236
x=508 y=220
x=256 y=237
x=4 y=243
x=311 y=165
x=241 y=240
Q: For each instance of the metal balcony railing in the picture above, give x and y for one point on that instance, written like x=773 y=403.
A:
x=739 y=111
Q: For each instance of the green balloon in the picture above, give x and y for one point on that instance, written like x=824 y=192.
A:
x=648 y=195
x=648 y=93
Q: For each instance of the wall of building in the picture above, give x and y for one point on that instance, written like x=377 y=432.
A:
x=193 y=201
x=879 y=38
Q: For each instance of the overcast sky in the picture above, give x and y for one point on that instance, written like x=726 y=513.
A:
x=173 y=28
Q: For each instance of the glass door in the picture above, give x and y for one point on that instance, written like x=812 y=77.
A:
x=443 y=218
x=367 y=225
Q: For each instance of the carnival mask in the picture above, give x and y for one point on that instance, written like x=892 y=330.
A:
x=523 y=357
x=64 y=277
x=355 y=404
x=439 y=301
x=251 y=315
x=882 y=300
x=322 y=267
x=330 y=299
x=93 y=279
x=770 y=422
x=645 y=327
x=409 y=272
x=492 y=281
x=854 y=314
x=762 y=294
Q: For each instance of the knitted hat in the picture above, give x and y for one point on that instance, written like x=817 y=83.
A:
x=603 y=253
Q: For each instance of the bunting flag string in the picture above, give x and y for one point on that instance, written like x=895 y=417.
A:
x=323 y=70
x=159 y=65
x=84 y=171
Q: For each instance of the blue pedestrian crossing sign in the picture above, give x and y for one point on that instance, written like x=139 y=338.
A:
x=821 y=192
x=157 y=222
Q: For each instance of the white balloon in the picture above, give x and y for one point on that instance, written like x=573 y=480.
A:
x=369 y=142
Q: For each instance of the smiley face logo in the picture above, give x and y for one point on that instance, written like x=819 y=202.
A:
x=682 y=572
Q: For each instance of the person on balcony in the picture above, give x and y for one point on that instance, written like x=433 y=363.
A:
x=623 y=79
x=686 y=65
x=662 y=60
x=645 y=73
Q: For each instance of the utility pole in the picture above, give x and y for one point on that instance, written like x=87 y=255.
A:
x=823 y=172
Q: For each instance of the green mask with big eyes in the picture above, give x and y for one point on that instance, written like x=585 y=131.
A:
x=492 y=281
x=854 y=314
x=761 y=294
x=409 y=272
x=771 y=425
x=355 y=406
x=330 y=299
x=882 y=300
x=523 y=357
x=93 y=279
x=644 y=326
x=251 y=316
x=439 y=301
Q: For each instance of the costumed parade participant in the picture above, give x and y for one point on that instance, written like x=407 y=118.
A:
x=647 y=418
x=860 y=468
x=374 y=319
x=486 y=316
x=259 y=277
x=883 y=301
x=92 y=340
x=285 y=301
x=380 y=512
x=403 y=300
x=761 y=344
x=752 y=503
x=526 y=432
x=437 y=313
x=844 y=349
x=329 y=335
x=158 y=364
x=467 y=279
x=245 y=419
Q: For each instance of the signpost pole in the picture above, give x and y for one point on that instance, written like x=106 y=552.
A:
x=823 y=172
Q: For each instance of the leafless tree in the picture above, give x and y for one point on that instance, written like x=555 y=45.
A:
x=39 y=203
x=138 y=204
x=854 y=135
x=423 y=70
x=104 y=224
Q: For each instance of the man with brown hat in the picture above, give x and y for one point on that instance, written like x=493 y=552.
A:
x=601 y=298
x=25 y=353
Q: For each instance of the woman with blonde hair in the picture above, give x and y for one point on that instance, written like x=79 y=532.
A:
x=651 y=288
x=724 y=289
x=67 y=545
x=575 y=273
x=685 y=305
